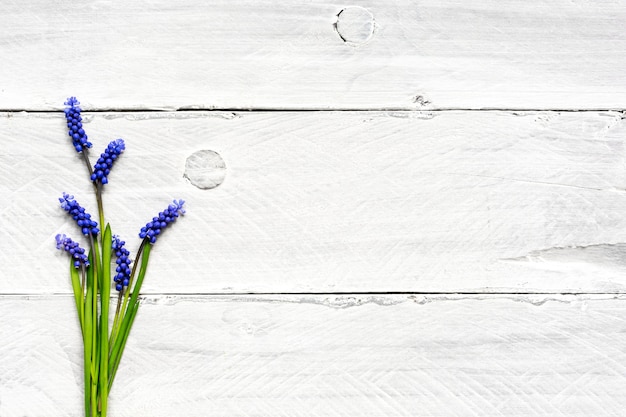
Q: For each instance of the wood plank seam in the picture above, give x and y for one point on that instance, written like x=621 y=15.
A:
x=245 y=110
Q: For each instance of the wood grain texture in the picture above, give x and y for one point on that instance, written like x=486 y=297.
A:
x=565 y=54
x=334 y=201
x=325 y=356
x=523 y=211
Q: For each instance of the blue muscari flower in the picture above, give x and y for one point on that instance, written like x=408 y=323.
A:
x=75 y=125
x=78 y=213
x=123 y=263
x=78 y=253
x=105 y=162
x=153 y=229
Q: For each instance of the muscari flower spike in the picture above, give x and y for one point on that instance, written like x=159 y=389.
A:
x=75 y=125
x=102 y=168
x=78 y=213
x=71 y=247
x=153 y=229
x=123 y=263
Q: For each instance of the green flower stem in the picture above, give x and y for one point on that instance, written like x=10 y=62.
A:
x=115 y=321
x=116 y=364
x=96 y=270
x=121 y=312
x=98 y=186
x=129 y=315
x=78 y=294
x=88 y=335
x=105 y=289
x=94 y=349
x=86 y=158
x=82 y=286
x=94 y=400
x=94 y=307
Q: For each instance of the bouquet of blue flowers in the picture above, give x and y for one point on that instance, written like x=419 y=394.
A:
x=93 y=273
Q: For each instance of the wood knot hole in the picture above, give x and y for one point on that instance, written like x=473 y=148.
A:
x=355 y=25
x=205 y=169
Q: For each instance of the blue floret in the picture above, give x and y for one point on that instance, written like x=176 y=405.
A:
x=105 y=162
x=83 y=219
x=153 y=228
x=71 y=247
x=75 y=125
x=123 y=262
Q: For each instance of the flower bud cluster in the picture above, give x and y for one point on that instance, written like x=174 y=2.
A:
x=123 y=262
x=75 y=125
x=153 y=228
x=103 y=167
x=71 y=247
x=78 y=213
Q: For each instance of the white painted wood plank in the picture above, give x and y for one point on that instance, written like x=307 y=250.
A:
x=324 y=356
x=334 y=201
x=509 y=54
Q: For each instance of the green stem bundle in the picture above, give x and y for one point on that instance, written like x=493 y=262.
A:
x=104 y=344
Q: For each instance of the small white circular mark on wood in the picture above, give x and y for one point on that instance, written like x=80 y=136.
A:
x=355 y=25
x=205 y=169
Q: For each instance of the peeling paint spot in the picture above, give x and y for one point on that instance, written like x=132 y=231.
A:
x=411 y=115
x=178 y=115
x=608 y=254
x=421 y=101
x=533 y=299
x=601 y=264
x=546 y=118
x=249 y=321
x=341 y=302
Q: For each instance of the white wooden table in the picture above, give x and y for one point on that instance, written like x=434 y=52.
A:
x=422 y=213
